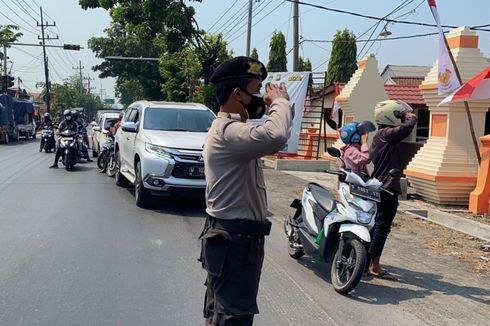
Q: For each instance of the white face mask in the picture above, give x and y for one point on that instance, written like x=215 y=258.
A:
x=68 y=118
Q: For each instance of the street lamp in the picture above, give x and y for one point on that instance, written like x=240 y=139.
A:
x=385 y=32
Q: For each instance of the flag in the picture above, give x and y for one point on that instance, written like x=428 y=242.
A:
x=334 y=114
x=446 y=75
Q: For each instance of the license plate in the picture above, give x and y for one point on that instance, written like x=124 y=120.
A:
x=365 y=192
x=196 y=171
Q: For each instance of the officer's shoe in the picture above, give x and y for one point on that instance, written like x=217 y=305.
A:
x=54 y=166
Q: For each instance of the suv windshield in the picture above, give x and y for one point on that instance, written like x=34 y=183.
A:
x=178 y=119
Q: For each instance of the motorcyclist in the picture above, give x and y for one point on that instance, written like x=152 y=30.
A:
x=82 y=131
x=47 y=122
x=67 y=124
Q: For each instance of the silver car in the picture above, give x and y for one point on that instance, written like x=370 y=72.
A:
x=159 y=148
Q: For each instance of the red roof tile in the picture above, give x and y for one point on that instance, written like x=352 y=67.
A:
x=409 y=94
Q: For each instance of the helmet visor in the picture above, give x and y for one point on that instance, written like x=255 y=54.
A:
x=365 y=127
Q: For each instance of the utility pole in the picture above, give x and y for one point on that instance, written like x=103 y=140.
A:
x=88 y=79
x=5 y=65
x=43 y=26
x=249 y=27
x=295 y=35
x=81 y=78
x=101 y=93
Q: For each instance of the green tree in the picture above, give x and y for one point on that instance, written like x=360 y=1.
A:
x=277 y=54
x=67 y=95
x=343 y=62
x=142 y=28
x=186 y=75
x=128 y=91
x=8 y=34
x=254 y=54
x=304 y=65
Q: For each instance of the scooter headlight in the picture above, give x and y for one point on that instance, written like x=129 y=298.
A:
x=365 y=217
x=364 y=211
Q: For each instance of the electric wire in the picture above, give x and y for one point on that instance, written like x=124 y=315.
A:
x=263 y=17
x=17 y=24
x=228 y=23
x=15 y=13
x=243 y=21
x=223 y=15
x=380 y=18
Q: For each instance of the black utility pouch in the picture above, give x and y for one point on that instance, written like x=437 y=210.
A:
x=215 y=249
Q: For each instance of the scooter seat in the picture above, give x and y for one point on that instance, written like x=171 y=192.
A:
x=322 y=197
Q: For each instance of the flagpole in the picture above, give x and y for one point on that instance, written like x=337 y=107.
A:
x=433 y=8
x=466 y=106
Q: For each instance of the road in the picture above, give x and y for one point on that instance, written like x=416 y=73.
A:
x=77 y=251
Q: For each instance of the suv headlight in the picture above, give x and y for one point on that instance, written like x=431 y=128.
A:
x=157 y=150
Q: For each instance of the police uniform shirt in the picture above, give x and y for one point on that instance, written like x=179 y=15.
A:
x=235 y=181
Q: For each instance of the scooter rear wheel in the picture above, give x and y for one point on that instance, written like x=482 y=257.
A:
x=348 y=266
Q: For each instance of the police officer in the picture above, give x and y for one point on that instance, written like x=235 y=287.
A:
x=67 y=124
x=233 y=237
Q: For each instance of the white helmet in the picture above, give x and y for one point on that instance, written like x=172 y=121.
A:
x=389 y=113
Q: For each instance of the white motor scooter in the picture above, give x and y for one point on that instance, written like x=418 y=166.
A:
x=336 y=231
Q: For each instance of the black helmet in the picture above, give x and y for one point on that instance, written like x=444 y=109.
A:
x=67 y=114
x=75 y=114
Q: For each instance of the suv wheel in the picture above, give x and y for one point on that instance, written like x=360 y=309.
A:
x=143 y=195
x=121 y=180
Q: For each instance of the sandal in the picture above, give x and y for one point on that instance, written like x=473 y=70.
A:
x=384 y=275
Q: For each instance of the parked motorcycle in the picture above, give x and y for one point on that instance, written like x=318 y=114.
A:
x=106 y=160
x=336 y=231
x=70 y=149
x=48 y=142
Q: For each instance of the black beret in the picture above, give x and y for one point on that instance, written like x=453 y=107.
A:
x=239 y=67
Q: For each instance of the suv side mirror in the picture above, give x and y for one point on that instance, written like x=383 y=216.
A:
x=130 y=127
x=332 y=151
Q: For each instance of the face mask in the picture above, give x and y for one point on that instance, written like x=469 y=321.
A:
x=256 y=107
x=68 y=118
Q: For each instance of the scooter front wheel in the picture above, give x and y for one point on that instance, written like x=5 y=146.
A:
x=348 y=266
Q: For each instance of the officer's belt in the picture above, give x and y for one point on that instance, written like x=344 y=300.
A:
x=241 y=226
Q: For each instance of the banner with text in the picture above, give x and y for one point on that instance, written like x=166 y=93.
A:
x=297 y=86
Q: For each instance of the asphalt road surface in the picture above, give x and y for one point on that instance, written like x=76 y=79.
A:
x=75 y=250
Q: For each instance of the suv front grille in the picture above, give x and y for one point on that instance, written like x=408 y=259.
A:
x=182 y=170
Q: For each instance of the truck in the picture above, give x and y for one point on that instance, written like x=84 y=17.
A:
x=24 y=117
x=8 y=126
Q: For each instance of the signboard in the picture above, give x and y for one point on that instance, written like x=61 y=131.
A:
x=297 y=86
x=109 y=101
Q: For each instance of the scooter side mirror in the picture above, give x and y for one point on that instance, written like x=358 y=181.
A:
x=335 y=152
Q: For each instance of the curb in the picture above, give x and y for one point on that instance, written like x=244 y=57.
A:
x=451 y=221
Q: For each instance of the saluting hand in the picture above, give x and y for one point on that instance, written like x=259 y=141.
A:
x=273 y=92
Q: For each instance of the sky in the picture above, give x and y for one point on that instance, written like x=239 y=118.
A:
x=75 y=25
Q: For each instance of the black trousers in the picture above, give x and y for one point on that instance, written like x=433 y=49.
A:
x=233 y=263
x=386 y=213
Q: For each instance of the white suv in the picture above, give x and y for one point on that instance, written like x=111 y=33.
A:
x=159 y=148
